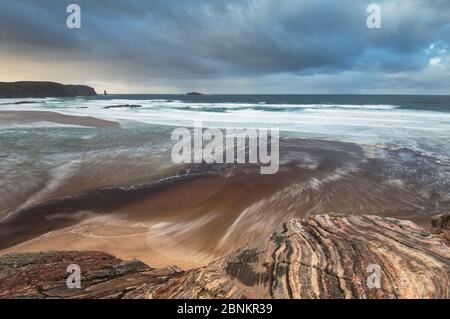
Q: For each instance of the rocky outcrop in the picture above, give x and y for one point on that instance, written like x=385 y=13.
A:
x=44 y=275
x=42 y=89
x=441 y=225
x=119 y=106
x=322 y=256
x=328 y=257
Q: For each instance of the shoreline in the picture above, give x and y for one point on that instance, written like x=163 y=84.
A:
x=141 y=205
x=323 y=256
x=55 y=117
x=190 y=221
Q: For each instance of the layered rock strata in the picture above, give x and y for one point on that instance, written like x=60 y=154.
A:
x=323 y=256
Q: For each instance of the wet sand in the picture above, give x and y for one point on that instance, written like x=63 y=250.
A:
x=191 y=220
x=54 y=117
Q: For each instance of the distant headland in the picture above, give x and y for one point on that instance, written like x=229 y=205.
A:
x=24 y=89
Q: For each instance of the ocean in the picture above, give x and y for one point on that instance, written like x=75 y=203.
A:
x=421 y=123
x=346 y=154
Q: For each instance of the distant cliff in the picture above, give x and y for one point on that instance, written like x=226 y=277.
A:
x=322 y=256
x=42 y=89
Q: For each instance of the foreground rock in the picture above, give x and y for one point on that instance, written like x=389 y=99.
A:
x=42 y=89
x=328 y=257
x=441 y=225
x=44 y=275
x=319 y=257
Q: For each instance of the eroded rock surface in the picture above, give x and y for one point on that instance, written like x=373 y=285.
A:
x=322 y=256
x=44 y=275
x=328 y=257
x=441 y=225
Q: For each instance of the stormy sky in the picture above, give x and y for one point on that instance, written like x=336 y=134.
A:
x=230 y=46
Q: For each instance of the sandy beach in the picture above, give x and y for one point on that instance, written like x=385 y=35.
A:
x=192 y=219
x=54 y=117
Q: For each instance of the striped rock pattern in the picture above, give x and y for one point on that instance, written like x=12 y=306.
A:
x=44 y=275
x=326 y=257
x=319 y=257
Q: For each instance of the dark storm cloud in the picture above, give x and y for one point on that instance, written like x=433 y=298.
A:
x=199 y=39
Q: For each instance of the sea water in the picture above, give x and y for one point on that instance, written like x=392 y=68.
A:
x=37 y=155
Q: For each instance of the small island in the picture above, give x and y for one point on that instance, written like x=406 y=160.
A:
x=24 y=89
x=194 y=93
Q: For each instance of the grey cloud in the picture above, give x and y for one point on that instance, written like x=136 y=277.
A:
x=199 y=39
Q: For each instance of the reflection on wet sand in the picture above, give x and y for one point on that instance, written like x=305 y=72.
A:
x=205 y=211
x=53 y=117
